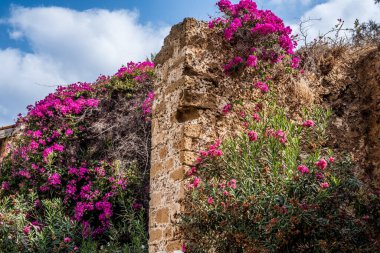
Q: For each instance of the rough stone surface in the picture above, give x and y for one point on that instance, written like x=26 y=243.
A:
x=5 y=133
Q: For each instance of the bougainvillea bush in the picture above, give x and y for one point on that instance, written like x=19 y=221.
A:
x=85 y=148
x=276 y=187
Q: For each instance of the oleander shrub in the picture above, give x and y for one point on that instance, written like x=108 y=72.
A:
x=277 y=186
x=85 y=148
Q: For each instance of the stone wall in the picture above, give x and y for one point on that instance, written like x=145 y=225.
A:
x=5 y=133
x=185 y=120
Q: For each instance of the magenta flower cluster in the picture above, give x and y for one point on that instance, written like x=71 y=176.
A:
x=265 y=28
x=46 y=157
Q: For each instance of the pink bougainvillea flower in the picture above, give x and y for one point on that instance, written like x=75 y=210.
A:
x=226 y=193
x=67 y=239
x=232 y=64
x=303 y=169
x=295 y=62
x=210 y=200
x=264 y=29
x=332 y=159
x=308 y=123
x=148 y=103
x=322 y=164
x=34 y=145
x=69 y=132
x=5 y=186
x=251 y=61
x=137 y=206
x=324 y=185
x=54 y=179
x=262 y=86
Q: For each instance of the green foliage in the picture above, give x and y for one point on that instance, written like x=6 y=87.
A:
x=75 y=178
x=273 y=207
x=17 y=234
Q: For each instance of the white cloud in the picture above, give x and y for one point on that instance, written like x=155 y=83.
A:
x=69 y=46
x=329 y=12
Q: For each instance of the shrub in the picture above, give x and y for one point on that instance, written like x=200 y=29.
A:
x=275 y=188
x=71 y=149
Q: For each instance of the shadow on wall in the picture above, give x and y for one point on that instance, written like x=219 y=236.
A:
x=5 y=133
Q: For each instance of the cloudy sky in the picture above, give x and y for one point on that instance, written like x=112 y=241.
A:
x=44 y=43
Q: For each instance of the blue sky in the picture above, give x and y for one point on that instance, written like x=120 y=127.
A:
x=45 y=43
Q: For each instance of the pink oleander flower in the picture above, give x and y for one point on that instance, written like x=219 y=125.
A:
x=198 y=160
x=308 y=123
x=232 y=183
x=252 y=135
x=227 y=108
x=195 y=183
x=67 y=239
x=262 y=86
x=332 y=159
x=203 y=153
x=210 y=200
x=322 y=164
x=256 y=117
x=324 y=185
x=26 y=229
x=217 y=152
x=280 y=134
x=319 y=176
x=192 y=171
x=303 y=169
